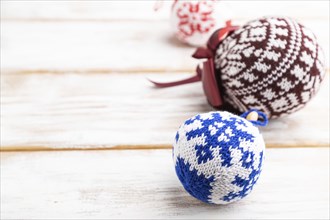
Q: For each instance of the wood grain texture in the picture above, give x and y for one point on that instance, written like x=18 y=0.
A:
x=57 y=95
x=84 y=111
x=143 y=184
x=132 y=46
x=123 y=10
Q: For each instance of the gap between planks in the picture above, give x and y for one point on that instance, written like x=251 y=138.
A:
x=103 y=71
x=138 y=147
x=123 y=20
x=99 y=20
x=97 y=71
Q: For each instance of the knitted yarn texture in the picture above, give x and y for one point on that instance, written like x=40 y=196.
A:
x=218 y=156
x=273 y=64
x=193 y=21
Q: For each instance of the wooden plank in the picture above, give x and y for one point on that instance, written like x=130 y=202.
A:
x=132 y=46
x=143 y=184
x=143 y=10
x=65 y=111
x=85 y=47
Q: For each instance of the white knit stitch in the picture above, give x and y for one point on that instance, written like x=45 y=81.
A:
x=223 y=168
x=288 y=50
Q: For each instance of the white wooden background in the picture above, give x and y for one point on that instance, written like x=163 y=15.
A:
x=73 y=77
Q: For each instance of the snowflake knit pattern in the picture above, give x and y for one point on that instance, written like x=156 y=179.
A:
x=193 y=21
x=273 y=64
x=218 y=156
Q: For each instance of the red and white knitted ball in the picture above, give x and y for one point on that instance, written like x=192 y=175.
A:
x=194 y=21
x=273 y=64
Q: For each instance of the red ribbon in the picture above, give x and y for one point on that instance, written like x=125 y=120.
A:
x=206 y=74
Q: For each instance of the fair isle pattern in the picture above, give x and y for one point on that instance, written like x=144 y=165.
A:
x=218 y=156
x=271 y=64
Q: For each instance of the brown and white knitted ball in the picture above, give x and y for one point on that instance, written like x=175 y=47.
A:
x=273 y=64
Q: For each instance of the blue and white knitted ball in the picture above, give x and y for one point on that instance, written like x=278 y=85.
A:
x=218 y=156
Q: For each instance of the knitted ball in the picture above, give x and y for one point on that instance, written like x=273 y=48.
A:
x=193 y=21
x=273 y=64
x=218 y=156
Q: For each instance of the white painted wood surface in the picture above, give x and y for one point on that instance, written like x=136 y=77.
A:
x=143 y=184
x=131 y=46
x=143 y=9
x=65 y=66
x=107 y=110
